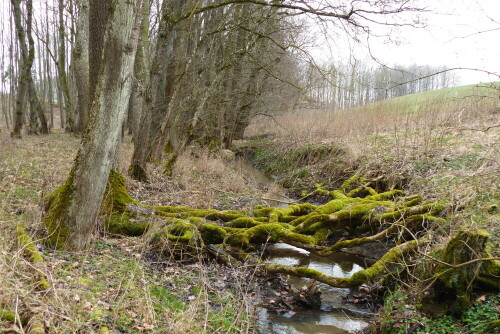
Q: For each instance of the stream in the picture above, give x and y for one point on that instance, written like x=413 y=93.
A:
x=334 y=316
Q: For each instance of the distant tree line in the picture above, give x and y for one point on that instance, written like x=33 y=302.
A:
x=341 y=86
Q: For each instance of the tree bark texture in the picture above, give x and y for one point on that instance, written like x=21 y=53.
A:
x=63 y=78
x=81 y=64
x=25 y=68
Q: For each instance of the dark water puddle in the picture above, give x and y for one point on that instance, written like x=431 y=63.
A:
x=334 y=316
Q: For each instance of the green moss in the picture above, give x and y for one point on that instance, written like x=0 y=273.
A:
x=334 y=206
x=138 y=173
x=453 y=285
x=25 y=242
x=243 y=222
x=391 y=258
x=57 y=205
x=393 y=194
x=412 y=200
x=362 y=192
x=262 y=212
x=116 y=196
x=179 y=238
x=212 y=233
x=28 y=246
x=121 y=224
x=6 y=315
x=353 y=182
x=169 y=165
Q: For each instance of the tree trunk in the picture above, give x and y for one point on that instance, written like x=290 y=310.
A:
x=81 y=64
x=37 y=109
x=139 y=110
x=63 y=78
x=24 y=70
x=73 y=208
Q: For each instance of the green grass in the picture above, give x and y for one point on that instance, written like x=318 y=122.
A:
x=442 y=98
x=401 y=316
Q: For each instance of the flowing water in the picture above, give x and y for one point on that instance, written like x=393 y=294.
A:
x=334 y=316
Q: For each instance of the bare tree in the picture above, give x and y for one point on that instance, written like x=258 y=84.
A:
x=26 y=85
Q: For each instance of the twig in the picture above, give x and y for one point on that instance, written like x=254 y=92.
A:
x=482 y=130
x=277 y=200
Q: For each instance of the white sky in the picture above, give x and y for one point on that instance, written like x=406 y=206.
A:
x=459 y=33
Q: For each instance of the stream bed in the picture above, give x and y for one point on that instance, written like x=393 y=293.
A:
x=334 y=316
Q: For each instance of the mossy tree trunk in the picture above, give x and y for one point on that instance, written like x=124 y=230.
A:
x=72 y=210
x=459 y=270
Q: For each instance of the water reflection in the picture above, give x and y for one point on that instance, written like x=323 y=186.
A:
x=331 y=318
x=307 y=323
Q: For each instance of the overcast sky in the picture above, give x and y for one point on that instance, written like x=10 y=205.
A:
x=458 y=33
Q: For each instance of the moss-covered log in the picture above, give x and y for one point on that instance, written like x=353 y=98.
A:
x=412 y=224
x=300 y=224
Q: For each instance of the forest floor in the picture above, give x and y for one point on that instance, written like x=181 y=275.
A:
x=121 y=284
x=449 y=153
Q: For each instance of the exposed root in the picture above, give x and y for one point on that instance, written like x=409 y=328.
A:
x=460 y=265
x=391 y=259
x=27 y=245
x=355 y=208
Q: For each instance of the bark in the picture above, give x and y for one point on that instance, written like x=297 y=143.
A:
x=37 y=109
x=159 y=91
x=63 y=78
x=73 y=208
x=141 y=73
x=99 y=12
x=81 y=64
x=24 y=69
x=140 y=112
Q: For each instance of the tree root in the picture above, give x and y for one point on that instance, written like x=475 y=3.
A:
x=367 y=216
x=462 y=264
x=25 y=242
x=391 y=259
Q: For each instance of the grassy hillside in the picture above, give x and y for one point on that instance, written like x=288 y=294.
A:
x=446 y=98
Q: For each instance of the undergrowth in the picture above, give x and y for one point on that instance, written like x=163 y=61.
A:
x=400 y=316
